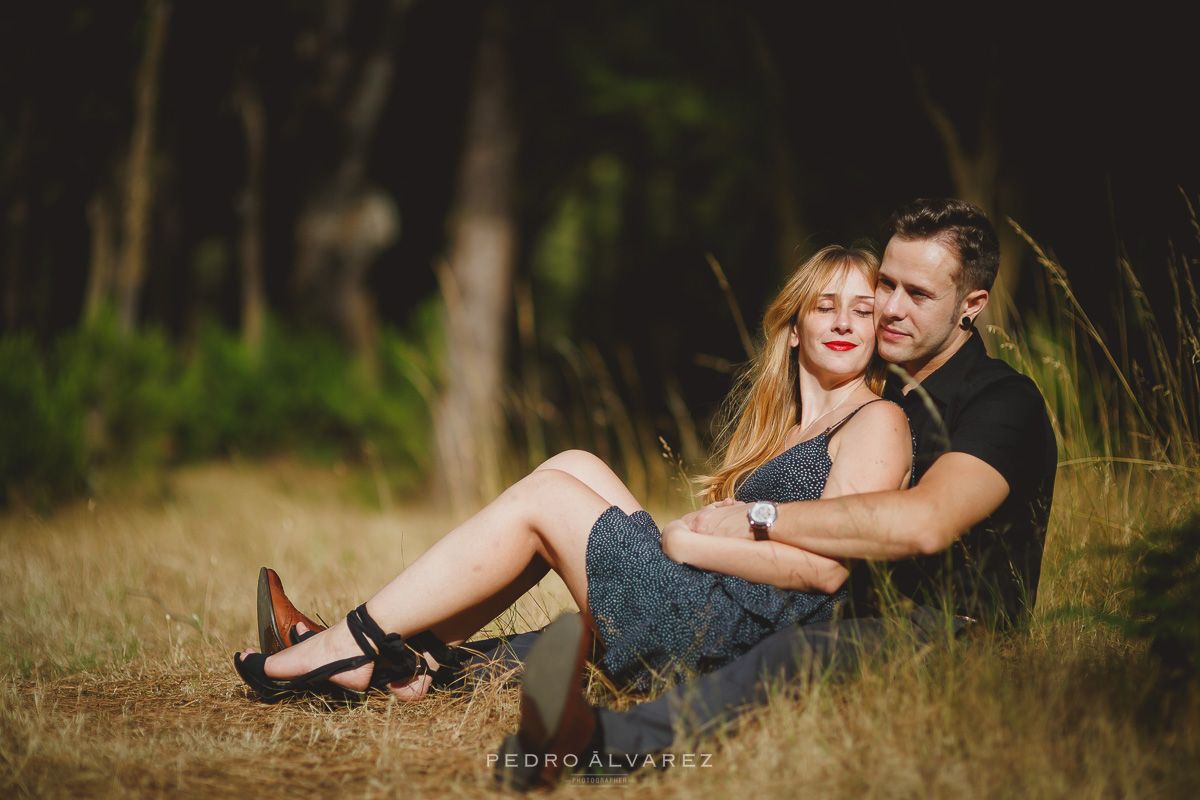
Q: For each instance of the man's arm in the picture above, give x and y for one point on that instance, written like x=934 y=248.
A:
x=957 y=492
x=872 y=452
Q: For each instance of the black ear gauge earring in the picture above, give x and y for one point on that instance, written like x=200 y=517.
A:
x=966 y=322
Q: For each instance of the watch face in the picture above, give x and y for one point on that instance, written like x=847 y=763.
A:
x=762 y=513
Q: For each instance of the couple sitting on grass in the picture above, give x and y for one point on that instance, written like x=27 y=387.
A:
x=810 y=525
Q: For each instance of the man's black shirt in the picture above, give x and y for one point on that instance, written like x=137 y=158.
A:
x=984 y=408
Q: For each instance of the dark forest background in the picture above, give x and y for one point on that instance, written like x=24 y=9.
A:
x=447 y=238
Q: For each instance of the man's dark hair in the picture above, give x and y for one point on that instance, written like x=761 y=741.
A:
x=959 y=225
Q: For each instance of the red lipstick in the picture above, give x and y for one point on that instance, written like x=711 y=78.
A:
x=840 y=346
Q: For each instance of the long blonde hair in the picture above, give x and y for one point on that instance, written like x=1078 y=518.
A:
x=765 y=401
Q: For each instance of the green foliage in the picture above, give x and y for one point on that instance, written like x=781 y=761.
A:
x=42 y=438
x=98 y=399
x=1164 y=587
x=300 y=392
x=120 y=387
x=102 y=400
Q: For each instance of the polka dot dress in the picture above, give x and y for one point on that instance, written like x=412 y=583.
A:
x=667 y=620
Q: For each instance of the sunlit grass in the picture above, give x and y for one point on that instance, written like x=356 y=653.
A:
x=104 y=694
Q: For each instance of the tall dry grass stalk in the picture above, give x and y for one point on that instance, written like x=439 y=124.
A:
x=1128 y=427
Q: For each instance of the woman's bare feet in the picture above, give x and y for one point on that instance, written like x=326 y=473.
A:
x=413 y=689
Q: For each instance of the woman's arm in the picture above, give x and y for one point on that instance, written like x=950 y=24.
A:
x=759 y=562
x=873 y=452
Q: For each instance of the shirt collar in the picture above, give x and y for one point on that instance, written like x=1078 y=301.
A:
x=949 y=376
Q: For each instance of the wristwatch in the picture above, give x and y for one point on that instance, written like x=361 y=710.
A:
x=762 y=516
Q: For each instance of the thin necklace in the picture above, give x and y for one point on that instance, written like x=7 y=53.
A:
x=808 y=427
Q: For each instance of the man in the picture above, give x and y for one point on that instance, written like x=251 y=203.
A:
x=962 y=546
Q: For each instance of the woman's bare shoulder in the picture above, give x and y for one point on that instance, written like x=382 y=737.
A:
x=878 y=419
x=874 y=452
x=879 y=412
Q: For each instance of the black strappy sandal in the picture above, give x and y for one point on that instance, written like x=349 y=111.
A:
x=450 y=660
x=276 y=613
x=448 y=672
x=387 y=650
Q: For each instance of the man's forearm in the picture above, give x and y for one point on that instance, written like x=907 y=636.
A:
x=878 y=526
x=958 y=492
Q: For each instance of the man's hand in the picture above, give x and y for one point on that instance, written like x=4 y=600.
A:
x=725 y=519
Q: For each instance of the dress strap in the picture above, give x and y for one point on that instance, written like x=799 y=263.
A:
x=837 y=426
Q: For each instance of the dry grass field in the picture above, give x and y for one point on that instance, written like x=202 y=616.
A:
x=118 y=619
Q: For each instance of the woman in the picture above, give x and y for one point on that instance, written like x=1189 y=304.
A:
x=806 y=424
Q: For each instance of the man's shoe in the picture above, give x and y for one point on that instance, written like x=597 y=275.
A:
x=557 y=724
x=277 y=617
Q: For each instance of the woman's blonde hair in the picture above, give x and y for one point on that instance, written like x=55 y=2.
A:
x=765 y=401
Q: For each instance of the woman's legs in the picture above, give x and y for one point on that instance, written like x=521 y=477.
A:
x=593 y=473
x=480 y=567
x=589 y=470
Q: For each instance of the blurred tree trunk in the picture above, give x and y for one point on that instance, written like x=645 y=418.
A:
x=102 y=267
x=477 y=283
x=250 y=250
x=793 y=234
x=977 y=179
x=14 y=173
x=18 y=215
x=139 y=183
x=345 y=222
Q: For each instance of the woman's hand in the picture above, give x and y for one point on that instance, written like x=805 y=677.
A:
x=758 y=562
x=693 y=520
x=725 y=519
x=678 y=537
x=673 y=540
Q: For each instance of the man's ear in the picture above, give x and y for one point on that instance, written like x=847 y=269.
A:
x=974 y=303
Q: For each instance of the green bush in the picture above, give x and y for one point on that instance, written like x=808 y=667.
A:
x=303 y=392
x=121 y=386
x=216 y=400
x=41 y=434
x=101 y=400
x=1164 y=589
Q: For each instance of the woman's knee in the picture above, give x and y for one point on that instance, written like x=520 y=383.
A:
x=539 y=493
x=575 y=462
x=596 y=475
x=548 y=483
x=556 y=504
